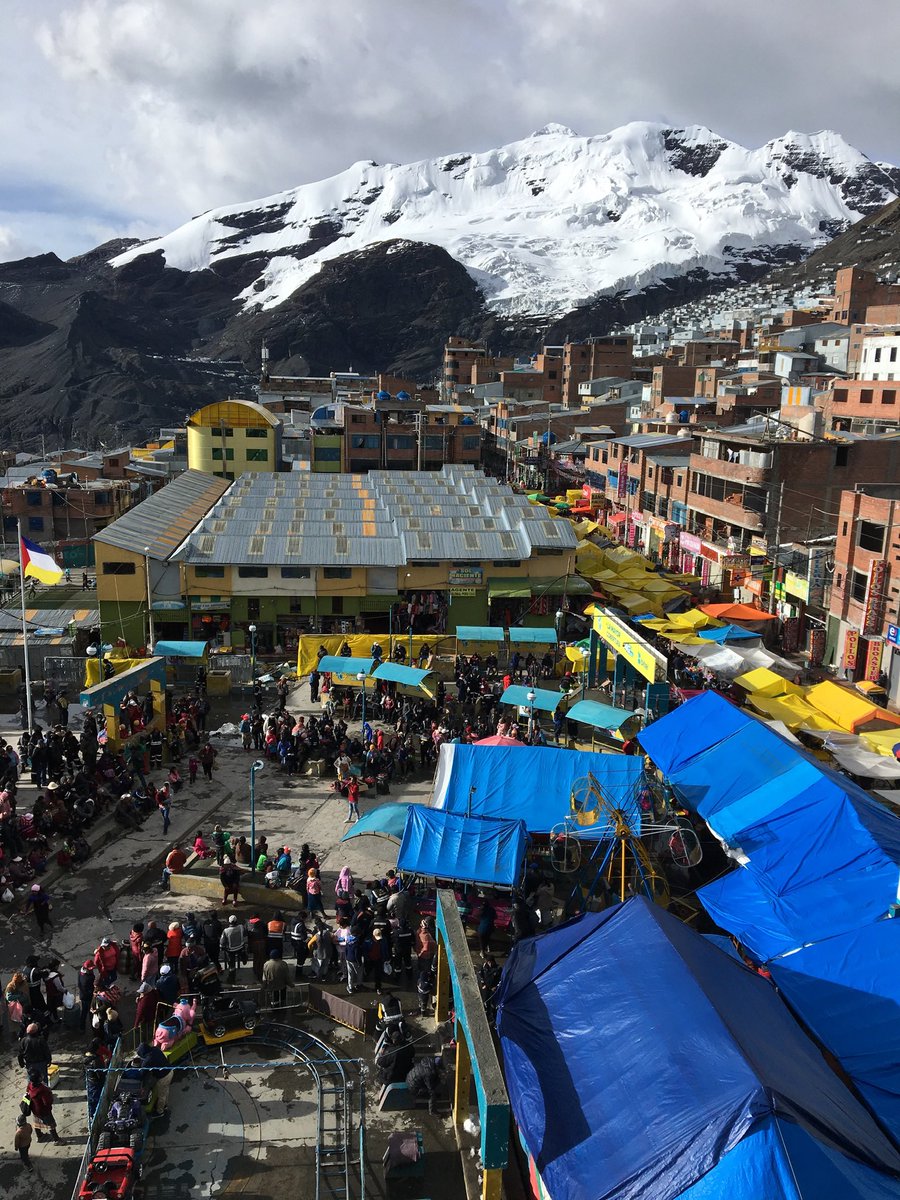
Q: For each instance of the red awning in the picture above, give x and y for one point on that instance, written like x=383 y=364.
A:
x=615 y=518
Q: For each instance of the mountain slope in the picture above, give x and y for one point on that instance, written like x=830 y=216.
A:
x=553 y=221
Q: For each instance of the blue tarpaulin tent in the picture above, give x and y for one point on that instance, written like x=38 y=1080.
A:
x=544 y=699
x=531 y=783
x=387 y=821
x=715 y=1092
x=448 y=845
x=169 y=649
x=599 y=716
x=819 y=872
x=397 y=673
x=337 y=664
x=727 y=633
x=480 y=633
x=519 y=635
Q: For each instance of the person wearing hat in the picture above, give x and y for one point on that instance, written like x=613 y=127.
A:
x=314 y=903
x=39 y=903
x=233 y=946
x=23 y=1140
x=86 y=985
x=426 y=1079
x=230 y=879
x=112 y=1027
x=106 y=960
x=34 y=1053
x=152 y=1060
x=145 y=1009
x=276 y=976
x=167 y=985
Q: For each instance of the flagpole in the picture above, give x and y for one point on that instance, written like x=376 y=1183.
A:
x=25 y=630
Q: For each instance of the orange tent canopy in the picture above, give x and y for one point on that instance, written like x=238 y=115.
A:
x=737 y=612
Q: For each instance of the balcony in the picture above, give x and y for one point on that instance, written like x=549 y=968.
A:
x=726 y=510
x=723 y=469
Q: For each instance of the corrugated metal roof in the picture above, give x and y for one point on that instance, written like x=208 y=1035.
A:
x=383 y=519
x=160 y=524
x=52 y=618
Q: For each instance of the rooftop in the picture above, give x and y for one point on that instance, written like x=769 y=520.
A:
x=382 y=519
x=160 y=524
x=649 y=441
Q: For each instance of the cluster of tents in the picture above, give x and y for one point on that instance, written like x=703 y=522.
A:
x=630 y=581
x=644 y=1059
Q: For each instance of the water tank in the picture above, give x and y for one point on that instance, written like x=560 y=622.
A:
x=402 y=396
x=49 y=475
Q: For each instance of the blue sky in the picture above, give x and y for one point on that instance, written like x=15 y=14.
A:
x=126 y=117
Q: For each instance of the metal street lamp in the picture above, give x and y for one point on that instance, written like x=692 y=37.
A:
x=531 y=697
x=254 y=767
x=251 y=629
x=362 y=680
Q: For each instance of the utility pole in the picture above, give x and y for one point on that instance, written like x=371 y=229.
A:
x=419 y=437
x=777 y=546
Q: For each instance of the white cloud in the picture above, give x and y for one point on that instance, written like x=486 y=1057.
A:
x=140 y=113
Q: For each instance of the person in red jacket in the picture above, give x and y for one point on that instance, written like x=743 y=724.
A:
x=174 y=944
x=106 y=960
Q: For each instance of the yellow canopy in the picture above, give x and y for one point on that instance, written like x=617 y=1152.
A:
x=693 y=619
x=882 y=741
x=763 y=682
x=791 y=709
x=846 y=709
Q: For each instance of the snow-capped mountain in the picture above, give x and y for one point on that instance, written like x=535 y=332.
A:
x=550 y=222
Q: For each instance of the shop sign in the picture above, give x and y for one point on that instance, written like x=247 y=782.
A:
x=711 y=553
x=817 y=573
x=758 y=545
x=219 y=606
x=893 y=634
x=622 y=484
x=796 y=585
x=851 y=649
x=622 y=639
x=873 y=660
x=468 y=577
x=689 y=542
x=462 y=591
x=874 y=606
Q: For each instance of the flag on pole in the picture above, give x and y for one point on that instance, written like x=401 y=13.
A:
x=38 y=563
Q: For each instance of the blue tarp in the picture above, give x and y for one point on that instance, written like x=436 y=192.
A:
x=714 y=1092
x=532 y=783
x=337 y=664
x=397 y=673
x=727 y=633
x=387 y=820
x=848 y=991
x=600 y=716
x=480 y=633
x=450 y=845
x=544 y=699
x=519 y=635
x=167 y=649
x=820 y=873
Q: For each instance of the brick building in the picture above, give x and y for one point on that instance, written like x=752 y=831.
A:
x=594 y=359
x=864 y=609
x=861 y=405
x=855 y=291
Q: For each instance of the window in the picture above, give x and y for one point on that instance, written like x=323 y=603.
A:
x=889 y=397
x=509 y=562
x=471 y=443
x=434 y=443
x=400 y=443
x=217 y=453
x=119 y=568
x=865 y=396
x=257 y=456
x=35 y=524
x=253 y=572
x=841 y=456
x=551 y=374
x=253 y=610
x=878 y=354
x=364 y=441
x=338 y=573
x=870 y=536
x=209 y=572
x=295 y=572
x=679 y=480
x=858 y=584
x=101 y=497
x=34 y=499
x=844 y=529
x=328 y=454
x=256 y=433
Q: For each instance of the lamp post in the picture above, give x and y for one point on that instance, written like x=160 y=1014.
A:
x=531 y=697
x=251 y=629
x=362 y=682
x=254 y=767
x=151 y=632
